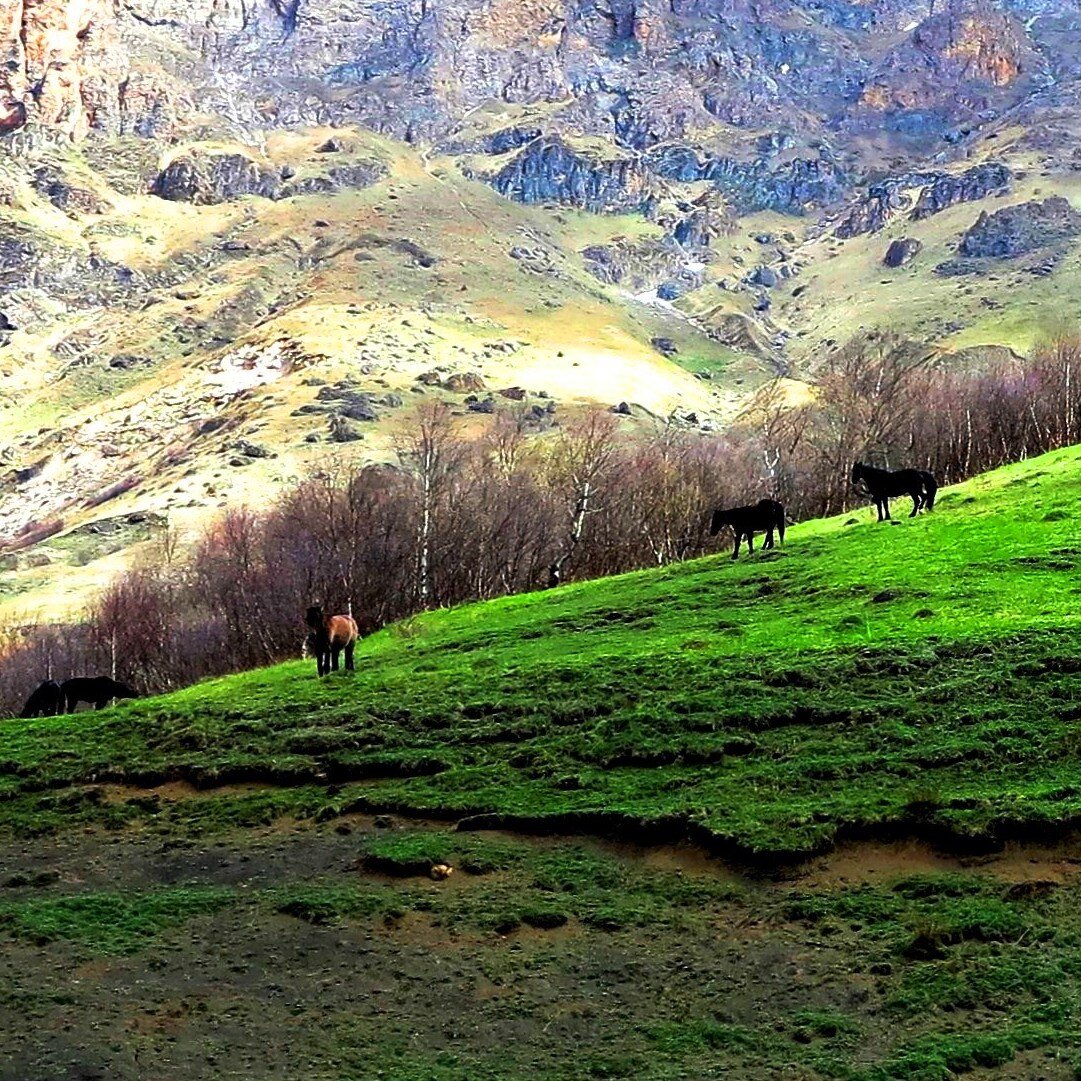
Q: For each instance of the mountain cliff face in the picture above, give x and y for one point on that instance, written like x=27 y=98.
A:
x=639 y=71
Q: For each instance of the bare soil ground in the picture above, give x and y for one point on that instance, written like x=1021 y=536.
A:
x=418 y=987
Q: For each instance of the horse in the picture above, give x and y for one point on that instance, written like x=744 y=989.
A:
x=330 y=637
x=46 y=701
x=882 y=485
x=765 y=516
x=99 y=691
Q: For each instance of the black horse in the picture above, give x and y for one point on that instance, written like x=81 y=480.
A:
x=764 y=516
x=46 y=701
x=881 y=485
x=99 y=691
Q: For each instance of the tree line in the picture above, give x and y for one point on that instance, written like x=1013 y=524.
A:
x=460 y=515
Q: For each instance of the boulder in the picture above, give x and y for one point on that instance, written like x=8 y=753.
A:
x=341 y=431
x=464 y=383
x=902 y=251
x=764 y=276
x=251 y=450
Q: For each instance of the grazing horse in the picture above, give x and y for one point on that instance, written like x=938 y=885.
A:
x=881 y=485
x=330 y=637
x=764 y=516
x=99 y=691
x=46 y=701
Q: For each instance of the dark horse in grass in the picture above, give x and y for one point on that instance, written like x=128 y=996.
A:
x=331 y=636
x=764 y=516
x=882 y=485
x=99 y=691
x=46 y=701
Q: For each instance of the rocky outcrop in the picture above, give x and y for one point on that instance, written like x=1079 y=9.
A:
x=792 y=187
x=34 y=261
x=901 y=252
x=58 y=60
x=206 y=178
x=639 y=72
x=1017 y=230
x=551 y=171
x=647 y=265
x=58 y=189
x=961 y=59
x=705 y=220
x=920 y=194
x=353 y=177
x=945 y=190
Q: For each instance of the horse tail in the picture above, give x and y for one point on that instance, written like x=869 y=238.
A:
x=778 y=510
x=930 y=487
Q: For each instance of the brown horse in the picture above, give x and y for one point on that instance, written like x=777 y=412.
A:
x=331 y=636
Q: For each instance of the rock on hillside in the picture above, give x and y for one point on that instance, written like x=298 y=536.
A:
x=901 y=252
x=957 y=61
x=1017 y=230
x=895 y=195
x=551 y=171
x=207 y=178
x=791 y=187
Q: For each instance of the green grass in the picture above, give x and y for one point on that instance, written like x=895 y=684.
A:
x=867 y=678
x=108 y=923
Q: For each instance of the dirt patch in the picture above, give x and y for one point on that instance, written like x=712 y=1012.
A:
x=865 y=862
x=175 y=791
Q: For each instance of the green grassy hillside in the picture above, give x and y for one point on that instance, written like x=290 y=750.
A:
x=244 y=879
x=867 y=679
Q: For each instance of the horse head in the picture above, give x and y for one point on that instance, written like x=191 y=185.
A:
x=717 y=522
x=857 y=472
x=123 y=690
x=314 y=618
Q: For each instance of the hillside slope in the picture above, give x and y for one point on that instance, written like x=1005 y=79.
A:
x=867 y=679
x=165 y=358
x=247 y=878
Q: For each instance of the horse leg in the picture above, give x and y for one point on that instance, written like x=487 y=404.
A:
x=349 y=656
x=750 y=542
x=335 y=654
x=886 y=508
x=735 y=552
x=917 y=502
x=768 y=542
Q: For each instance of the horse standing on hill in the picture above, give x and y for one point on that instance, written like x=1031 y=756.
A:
x=99 y=691
x=331 y=636
x=881 y=485
x=46 y=701
x=764 y=516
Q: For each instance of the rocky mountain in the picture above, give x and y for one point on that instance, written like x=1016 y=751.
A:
x=212 y=211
